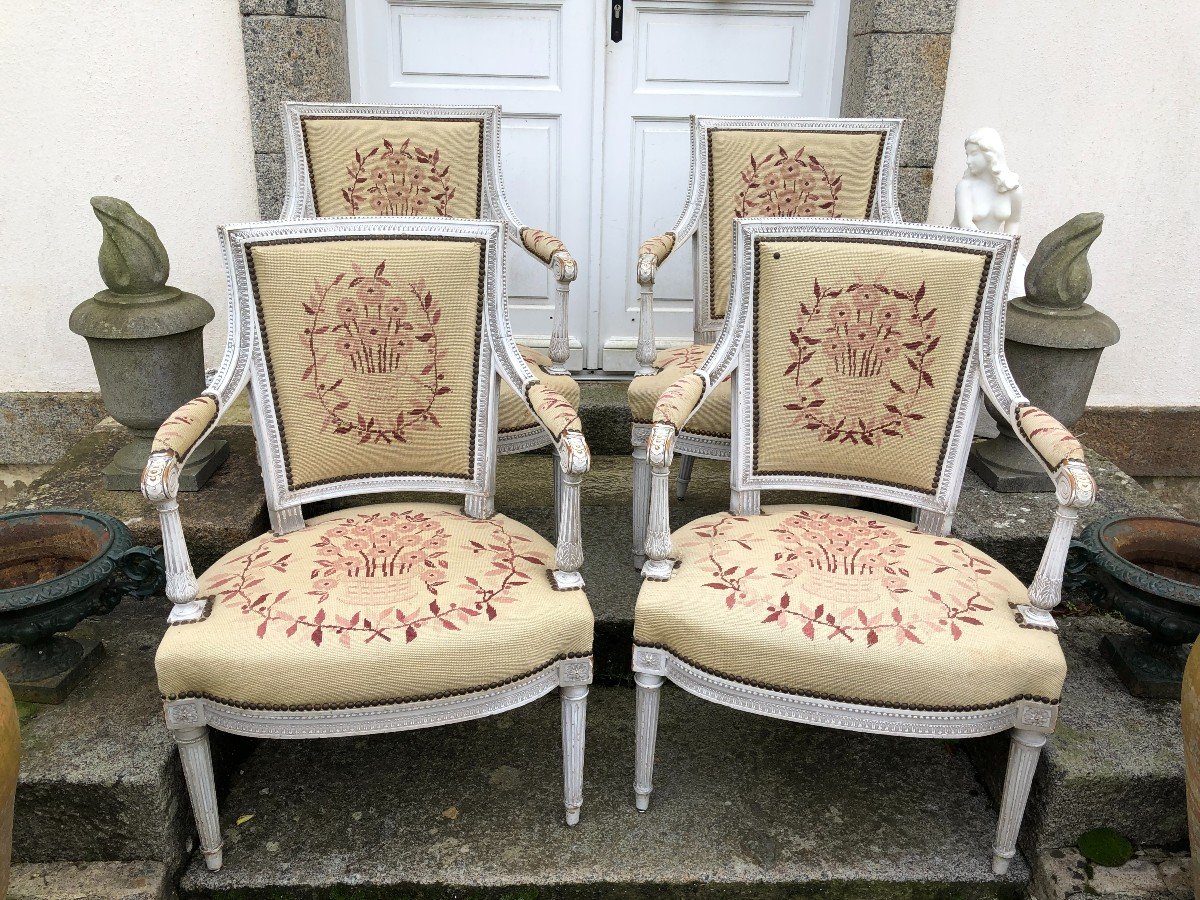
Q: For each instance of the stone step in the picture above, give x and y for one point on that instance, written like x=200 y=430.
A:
x=136 y=880
x=744 y=807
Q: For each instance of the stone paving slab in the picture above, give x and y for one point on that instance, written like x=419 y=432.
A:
x=100 y=779
x=138 y=880
x=744 y=806
x=228 y=511
x=1151 y=875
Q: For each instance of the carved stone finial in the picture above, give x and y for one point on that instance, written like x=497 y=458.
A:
x=1059 y=276
x=132 y=258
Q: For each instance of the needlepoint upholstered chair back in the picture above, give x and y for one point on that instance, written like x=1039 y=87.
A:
x=374 y=347
x=859 y=352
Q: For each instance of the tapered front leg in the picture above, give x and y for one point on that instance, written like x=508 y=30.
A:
x=196 y=757
x=1023 y=754
x=649 y=687
x=574 y=725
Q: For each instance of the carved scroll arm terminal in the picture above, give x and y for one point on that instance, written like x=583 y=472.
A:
x=552 y=252
x=558 y=416
x=675 y=406
x=177 y=437
x=1062 y=456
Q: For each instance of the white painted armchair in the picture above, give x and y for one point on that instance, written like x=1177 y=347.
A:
x=348 y=159
x=744 y=168
x=857 y=352
x=374 y=350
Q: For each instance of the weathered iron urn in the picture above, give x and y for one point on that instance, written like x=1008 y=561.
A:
x=57 y=567
x=147 y=344
x=1148 y=569
x=1053 y=341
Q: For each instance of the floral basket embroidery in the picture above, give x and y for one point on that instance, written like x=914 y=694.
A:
x=787 y=184
x=374 y=360
x=402 y=553
x=846 y=578
x=860 y=361
x=404 y=180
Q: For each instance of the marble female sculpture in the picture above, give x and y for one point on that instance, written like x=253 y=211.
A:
x=989 y=195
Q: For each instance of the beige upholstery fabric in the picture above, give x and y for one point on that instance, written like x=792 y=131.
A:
x=372 y=351
x=541 y=244
x=832 y=603
x=514 y=413
x=712 y=418
x=181 y=432
x=661 y=246
x=553 y=410
x=678 y=401
x=1053 y=443
x=376 y=604
x=860 y=350
x=360 y=166
x=781 y=173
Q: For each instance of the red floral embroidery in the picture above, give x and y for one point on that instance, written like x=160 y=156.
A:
x=787 y=184
x=847 y=577
x=386 y=573
x=404 y=181
x=387 y=343
x=875 y=344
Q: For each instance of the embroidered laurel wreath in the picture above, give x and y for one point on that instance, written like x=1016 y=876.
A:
x=845 y=578
x=860 y=361
x=404 y=180
x=375 y=365
x=404 y=555
x=788 y=184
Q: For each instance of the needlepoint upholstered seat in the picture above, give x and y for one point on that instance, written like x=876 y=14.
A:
x=746 y=168
x=855 y=353
x=373 y=349
x=365 y=160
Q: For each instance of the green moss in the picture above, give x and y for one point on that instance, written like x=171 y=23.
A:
x=1105 y=847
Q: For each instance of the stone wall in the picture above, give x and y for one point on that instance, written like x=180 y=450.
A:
x=295 y=50
x=896 y=60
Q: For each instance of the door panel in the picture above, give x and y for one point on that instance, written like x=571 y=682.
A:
x=703 y=57
x=535 y=58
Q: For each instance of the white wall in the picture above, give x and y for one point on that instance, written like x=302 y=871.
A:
x=141 y=99
x=1098 y=102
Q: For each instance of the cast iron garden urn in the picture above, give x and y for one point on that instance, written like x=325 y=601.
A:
x=1053 y=341
x=147 y=344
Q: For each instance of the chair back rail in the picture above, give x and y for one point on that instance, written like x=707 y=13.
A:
x=371 y=347
x=746 y=167
x=857 y=352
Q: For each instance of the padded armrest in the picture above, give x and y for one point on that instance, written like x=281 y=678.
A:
x=543 y=244
x=183 y=430
x=1053 y=443
x=679 y=401
x=659 y=247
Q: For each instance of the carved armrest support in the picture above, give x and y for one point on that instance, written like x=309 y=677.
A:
x=660 y=450
x=1075 y=489
x=553 y=252
x=160 y=485
x=180 y=433
x=560 y=418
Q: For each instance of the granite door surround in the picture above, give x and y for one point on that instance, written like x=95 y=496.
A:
x=896 y=60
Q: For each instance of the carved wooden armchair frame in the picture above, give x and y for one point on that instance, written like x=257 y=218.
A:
x=882 y=205
x=493 y=204
x=1059 y=453
x=245 y=363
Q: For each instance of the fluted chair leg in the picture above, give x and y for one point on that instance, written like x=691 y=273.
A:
x=1024 y=751
x=649 y=687
x=685 y=475
x=196 y=757
x=574 y=725
x=641 y=504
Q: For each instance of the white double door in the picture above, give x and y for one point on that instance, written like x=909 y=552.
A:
x=595 y=131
